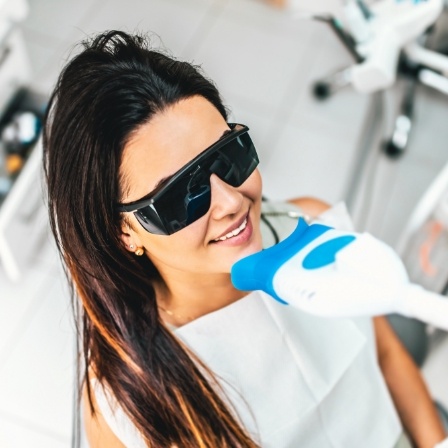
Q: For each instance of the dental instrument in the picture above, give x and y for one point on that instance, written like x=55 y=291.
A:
x=332 y=273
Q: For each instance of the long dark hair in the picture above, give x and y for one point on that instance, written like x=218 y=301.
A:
x=109 y=89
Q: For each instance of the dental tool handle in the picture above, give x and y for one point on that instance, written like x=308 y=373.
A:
x=337 y=274
x=426 y=306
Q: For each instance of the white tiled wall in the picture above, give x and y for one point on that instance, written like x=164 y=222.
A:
x=264 y=63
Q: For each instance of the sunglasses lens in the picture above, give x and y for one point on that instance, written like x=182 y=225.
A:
x=150 y=221
x=236 y=161
x=197 y=204
x=183 y=203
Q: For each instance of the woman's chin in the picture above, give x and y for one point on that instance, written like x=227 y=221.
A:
x=255 y=247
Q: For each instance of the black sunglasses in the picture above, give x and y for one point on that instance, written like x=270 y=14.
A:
x=185 y=196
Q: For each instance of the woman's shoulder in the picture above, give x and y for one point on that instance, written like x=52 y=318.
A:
x=310 y=206
x=279 y=218
x=105 y=421
x=97 y=429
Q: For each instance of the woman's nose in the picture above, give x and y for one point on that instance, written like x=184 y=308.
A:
x=226 y=200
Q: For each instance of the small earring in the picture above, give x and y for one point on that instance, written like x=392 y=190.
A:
x=139 y=251
x=131 y=246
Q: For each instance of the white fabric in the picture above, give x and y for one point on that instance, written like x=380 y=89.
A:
x=307 y=381
x=294 y=379
x=442 y=444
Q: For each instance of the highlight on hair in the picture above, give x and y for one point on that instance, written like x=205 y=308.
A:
x=113 y=86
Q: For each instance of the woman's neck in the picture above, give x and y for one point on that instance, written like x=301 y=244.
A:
x=182 y=300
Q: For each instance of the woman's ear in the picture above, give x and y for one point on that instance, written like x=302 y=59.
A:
x=129 y=236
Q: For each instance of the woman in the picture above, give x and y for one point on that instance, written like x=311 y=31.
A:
x=153 y=196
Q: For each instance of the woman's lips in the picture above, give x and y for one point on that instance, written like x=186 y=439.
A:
x=242 y=237
x=234 y=228
x=233 y=232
